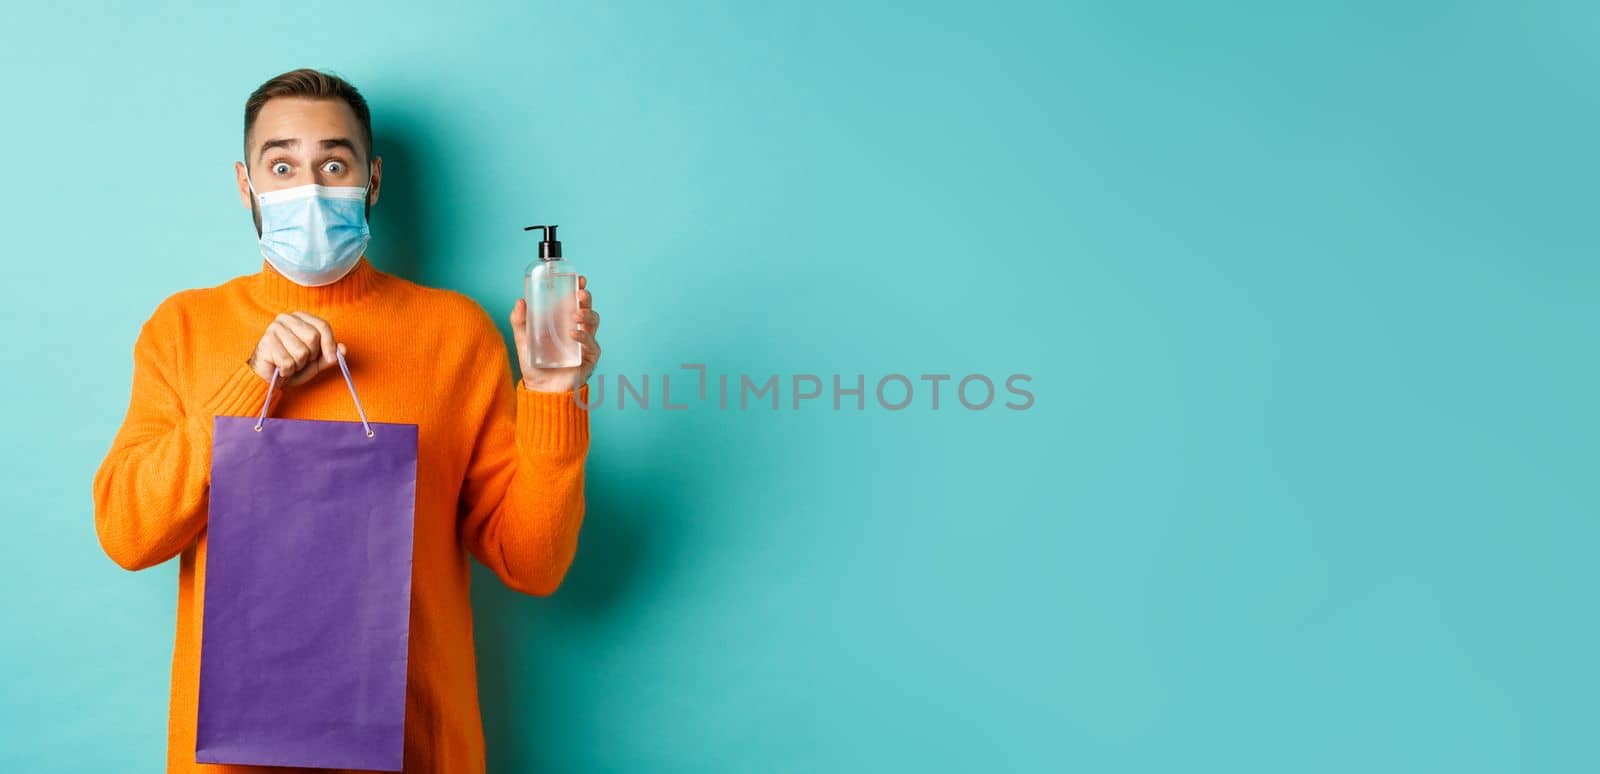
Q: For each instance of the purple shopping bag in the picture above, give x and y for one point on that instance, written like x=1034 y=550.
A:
x=307 y=592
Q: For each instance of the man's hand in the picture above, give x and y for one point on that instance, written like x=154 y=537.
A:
x=585 y=322
x=299 y=345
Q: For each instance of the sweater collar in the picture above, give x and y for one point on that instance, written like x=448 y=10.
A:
x=276 y=290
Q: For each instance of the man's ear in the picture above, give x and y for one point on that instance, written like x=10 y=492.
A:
x=377 y=180
x=244 y=187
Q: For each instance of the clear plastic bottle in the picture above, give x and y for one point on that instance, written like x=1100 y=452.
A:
x=550 y=286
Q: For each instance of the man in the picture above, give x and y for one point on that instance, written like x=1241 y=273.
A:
x=500 y=463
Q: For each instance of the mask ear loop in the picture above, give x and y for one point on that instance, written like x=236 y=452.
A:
x=255 y=198
x=366 y=196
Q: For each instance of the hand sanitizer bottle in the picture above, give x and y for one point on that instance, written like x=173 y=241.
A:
x=550 y=286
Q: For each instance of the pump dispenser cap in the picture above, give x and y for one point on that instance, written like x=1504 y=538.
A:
x=549 y=247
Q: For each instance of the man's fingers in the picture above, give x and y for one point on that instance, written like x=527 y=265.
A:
x=295 y=342
x=585 y=321
x=299 y=352
x=275 y=354
x=325 y=333
x=585 y=300
x=301 y=330
x=310 y=334
x=519 y=324
x=583 y=331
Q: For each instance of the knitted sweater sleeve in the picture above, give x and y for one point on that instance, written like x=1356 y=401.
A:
x=522 y=500
x=150 y=491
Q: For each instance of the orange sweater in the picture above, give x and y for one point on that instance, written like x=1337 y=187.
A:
x=499 y=470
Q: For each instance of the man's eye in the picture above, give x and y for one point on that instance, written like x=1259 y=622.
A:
x=335 y=167
x=280 y=168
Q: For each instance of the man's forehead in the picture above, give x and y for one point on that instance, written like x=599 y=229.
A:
x=302 y=124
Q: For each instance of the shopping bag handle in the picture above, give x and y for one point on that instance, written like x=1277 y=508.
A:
x=348 y=383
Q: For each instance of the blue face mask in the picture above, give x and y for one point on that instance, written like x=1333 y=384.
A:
x=313 y=234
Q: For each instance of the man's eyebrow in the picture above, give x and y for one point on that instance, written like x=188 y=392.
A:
x=280 y=143
x=340 y=142
x=334 y=142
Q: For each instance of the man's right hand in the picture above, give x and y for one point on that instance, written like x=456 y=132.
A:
x=299 y=345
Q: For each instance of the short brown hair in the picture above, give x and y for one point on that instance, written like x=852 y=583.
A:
x=306 y=82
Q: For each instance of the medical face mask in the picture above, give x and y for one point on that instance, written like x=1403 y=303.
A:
x=313 y=234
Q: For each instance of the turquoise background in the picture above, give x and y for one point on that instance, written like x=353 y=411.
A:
x=1307 y=292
